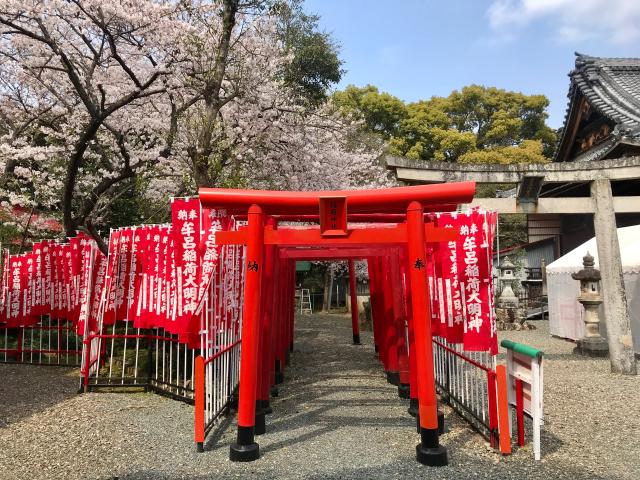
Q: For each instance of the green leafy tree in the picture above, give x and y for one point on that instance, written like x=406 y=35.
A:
x=474 y=125
x=315 y=66
x=381 y=112
x=529 y=151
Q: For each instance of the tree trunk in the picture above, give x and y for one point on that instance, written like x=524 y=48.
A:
x=326 y=297
x=213 y=98
x=70 y=224
x=104 y=248
x=330 y=292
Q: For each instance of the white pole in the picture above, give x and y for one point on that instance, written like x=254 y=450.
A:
x=536 y=406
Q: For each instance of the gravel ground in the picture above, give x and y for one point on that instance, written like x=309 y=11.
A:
x=335 y=418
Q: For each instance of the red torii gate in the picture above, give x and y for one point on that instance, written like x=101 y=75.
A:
x=334 y=208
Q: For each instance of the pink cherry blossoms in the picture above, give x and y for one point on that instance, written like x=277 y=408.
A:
x=176 y=94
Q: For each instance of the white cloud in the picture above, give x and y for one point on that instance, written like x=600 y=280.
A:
x=615 y=21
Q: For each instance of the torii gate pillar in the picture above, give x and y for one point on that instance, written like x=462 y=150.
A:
x=246 y=449
x=428 y=451
x=615 y=298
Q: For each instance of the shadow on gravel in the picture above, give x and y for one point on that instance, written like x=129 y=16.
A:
x=453 y=471
x=573 y=357
x=213 y=439
x=29 y=389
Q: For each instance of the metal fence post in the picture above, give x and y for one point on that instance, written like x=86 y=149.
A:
x=493 y=408
x=149 y=363
x=198 y=413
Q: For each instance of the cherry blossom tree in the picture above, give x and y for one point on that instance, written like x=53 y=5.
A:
x=173 y=95
x=69 y=68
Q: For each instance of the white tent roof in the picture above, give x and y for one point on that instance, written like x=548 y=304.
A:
x=629 y=239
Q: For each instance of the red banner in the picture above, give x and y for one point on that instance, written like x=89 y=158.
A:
x=48 y=280
x=185 y=215
x=475 y=274
x=16 y=286
x=111 y=279
x=4 y=286
x=135 y=273
x=98 y=295
x=463 y=285
x=170 y=278
x=450 y=284
x=37 y=307
x=123 y=277
x=75 y=249
x=85 y=288
x=29 y=270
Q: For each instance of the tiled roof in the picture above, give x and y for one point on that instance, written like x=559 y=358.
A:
x=612 y=87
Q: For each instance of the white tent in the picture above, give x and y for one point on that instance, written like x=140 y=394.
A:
x=565 y=313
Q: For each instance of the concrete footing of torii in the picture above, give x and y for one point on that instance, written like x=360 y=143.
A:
x=601 y=203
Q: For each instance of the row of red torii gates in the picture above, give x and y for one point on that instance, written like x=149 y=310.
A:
x=387 y=227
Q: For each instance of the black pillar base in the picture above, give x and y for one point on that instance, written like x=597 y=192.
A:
x=244 y=449
x=273 y=391
x=261 y=424
x=440 y=422
x=291 y=347
x=403 y=390
x=356 y=339
x=393 y=378
x=244 y=453
x=429 y=451
x=413 y=407
x=279 y=378
x=199 y=447
x=375 y=348
x=432 y=457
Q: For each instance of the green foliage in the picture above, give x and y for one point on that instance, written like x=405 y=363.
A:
x=529 y=151
x=10 y=236
x=315 y=66
x=475 y=125
x=126 y=208
x=513 y=230
x=382 y=113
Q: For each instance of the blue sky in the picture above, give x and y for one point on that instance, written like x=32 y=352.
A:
x=418 y=48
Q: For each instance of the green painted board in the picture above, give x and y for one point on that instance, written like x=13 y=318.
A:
x=523 y=349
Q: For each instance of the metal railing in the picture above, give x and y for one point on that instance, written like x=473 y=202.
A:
x=151 y=359
x=467 y=382
x=49 y=342
x=217 y=372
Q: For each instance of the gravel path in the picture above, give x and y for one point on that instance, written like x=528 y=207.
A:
x=335 y=418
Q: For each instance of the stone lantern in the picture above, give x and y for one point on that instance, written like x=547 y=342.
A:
x=509 y=316
x=592 y=344
x=507 y=277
